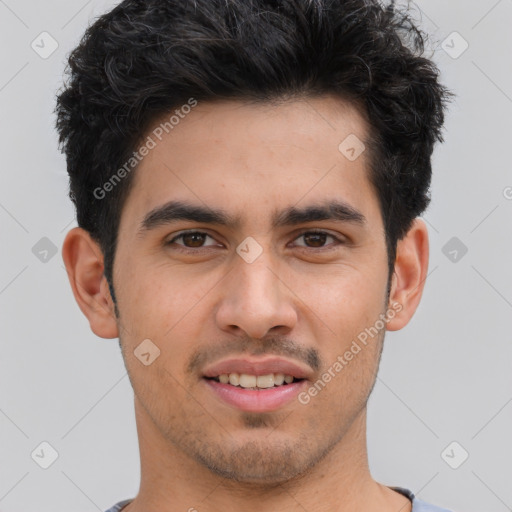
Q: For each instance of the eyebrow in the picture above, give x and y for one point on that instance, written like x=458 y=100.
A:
x=173 y=211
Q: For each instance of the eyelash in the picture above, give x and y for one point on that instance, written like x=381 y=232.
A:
x=306 y=232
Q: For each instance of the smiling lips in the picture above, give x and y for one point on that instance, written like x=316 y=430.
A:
x=256 y=385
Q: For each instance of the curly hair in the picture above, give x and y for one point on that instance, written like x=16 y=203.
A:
x=146 y=57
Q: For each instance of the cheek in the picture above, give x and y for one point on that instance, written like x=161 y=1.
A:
x=348 y=331
x=345 y=300
x=341 y=390
x=160 y=297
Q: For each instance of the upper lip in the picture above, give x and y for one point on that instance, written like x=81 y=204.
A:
x=257 y=367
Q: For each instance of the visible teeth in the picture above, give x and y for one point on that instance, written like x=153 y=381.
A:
x=265 y=381
x=278 y=379
x=247 y=381
x=252 y=381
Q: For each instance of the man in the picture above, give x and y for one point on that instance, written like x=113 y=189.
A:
x=248 y=176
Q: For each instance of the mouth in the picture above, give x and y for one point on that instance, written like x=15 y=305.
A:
x=256 y=385
x=255 y=382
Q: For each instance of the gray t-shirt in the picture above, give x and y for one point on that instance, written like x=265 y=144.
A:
x=417 y=505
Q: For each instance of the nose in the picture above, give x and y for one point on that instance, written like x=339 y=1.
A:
x=256 y=298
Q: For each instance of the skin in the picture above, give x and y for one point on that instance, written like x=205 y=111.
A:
x=309 y=295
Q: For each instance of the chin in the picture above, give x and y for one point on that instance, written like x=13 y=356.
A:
x=261 y=463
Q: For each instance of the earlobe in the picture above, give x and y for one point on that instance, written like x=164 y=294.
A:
x=409 y=276
x=84 y=265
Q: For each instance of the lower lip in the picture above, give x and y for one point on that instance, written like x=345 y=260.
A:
x=256 y=400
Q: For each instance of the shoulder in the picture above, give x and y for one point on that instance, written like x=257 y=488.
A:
x=118 y=506
x=418 y=505
x=421 y=506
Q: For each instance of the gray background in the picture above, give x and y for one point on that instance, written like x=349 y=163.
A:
x=446 y=377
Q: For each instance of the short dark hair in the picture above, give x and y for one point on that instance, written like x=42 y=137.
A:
x=146 y=57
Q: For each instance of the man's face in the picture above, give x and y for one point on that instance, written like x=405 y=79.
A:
x=258 y=297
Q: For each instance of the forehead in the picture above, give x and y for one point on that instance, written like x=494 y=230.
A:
x=248 y=158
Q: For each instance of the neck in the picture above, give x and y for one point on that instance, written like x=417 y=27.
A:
x=171 y=481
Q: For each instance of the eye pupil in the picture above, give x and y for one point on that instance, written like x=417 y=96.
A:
x=199 y=239
x=315 y=236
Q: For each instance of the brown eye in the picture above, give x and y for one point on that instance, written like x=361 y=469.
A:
x=315 y=239
x=191 y=239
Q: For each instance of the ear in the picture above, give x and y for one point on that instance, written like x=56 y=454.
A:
x=408 y=279
x=83 y=259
